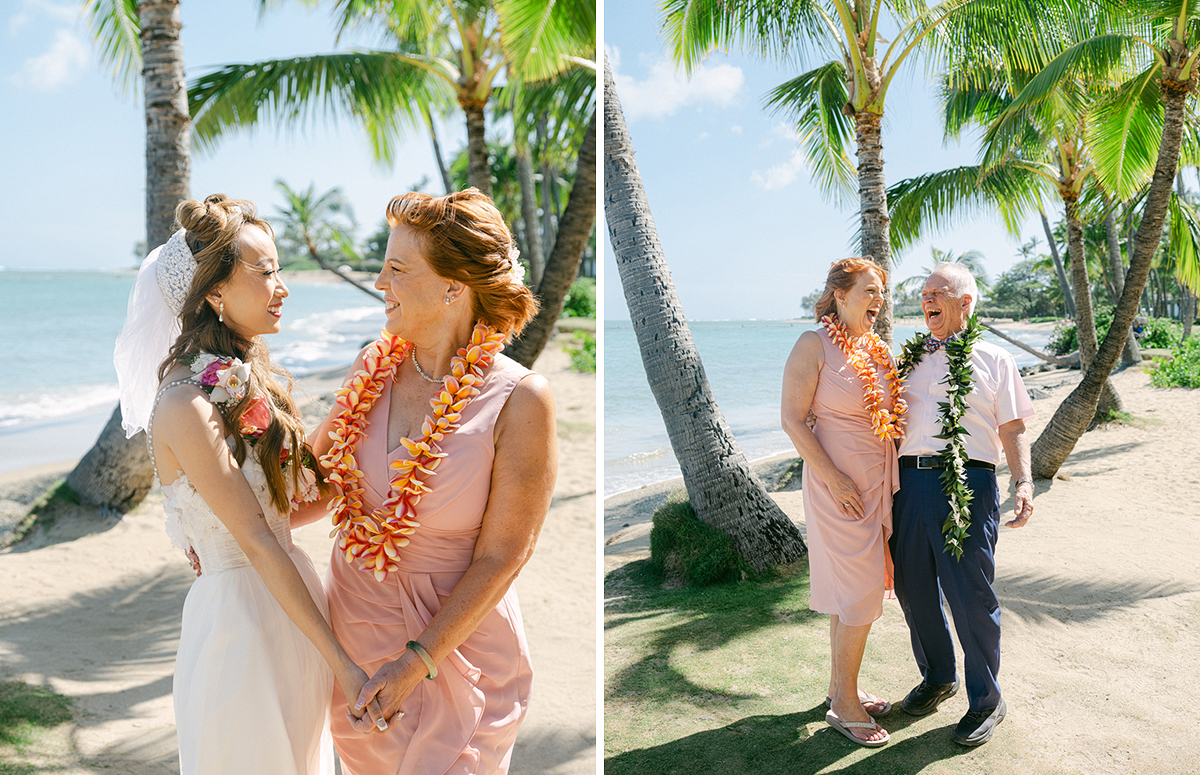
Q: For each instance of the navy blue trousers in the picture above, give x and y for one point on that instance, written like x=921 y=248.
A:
x=923 y=570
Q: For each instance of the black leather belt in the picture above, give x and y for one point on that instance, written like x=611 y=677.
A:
x=935 y=461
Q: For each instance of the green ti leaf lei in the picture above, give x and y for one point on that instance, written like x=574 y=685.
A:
x=959 y=383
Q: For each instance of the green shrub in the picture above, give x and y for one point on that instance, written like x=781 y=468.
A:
x=583 y=357
x=681 y=546
x=1182 y=369
x=581 y=299
x=1159 y=332
x=1048 y=319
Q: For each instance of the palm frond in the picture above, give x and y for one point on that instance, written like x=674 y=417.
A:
x=1183 y=239
x=814 y=102
x=770 y=28
x=538 y=36
x=116 y=28
x=940 y=200
x=1125 y=133
x=382 y=88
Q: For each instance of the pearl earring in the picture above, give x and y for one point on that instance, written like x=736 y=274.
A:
x=221 y=314
x=447 y=300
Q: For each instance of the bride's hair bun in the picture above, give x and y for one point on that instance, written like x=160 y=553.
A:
x=213 y=225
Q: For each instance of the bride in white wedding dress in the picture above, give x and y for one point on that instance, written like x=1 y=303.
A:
x=257 y=658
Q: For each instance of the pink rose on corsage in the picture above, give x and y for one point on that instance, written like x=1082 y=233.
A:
x=256 y=419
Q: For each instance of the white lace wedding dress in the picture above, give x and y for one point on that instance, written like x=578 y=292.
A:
x=251 y=692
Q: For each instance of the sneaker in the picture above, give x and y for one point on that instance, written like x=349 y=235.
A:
x=925 y=698
x=977 y=726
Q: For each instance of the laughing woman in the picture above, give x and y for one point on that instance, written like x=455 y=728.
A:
x=443 y=452
x=843 y=377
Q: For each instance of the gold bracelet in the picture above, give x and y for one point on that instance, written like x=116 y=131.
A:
x=420 y=651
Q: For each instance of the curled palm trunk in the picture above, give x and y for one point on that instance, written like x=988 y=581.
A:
x=724 y=492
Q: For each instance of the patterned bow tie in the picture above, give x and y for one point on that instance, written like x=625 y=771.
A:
x=933 y=344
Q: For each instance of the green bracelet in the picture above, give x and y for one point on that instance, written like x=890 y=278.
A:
x=420 y=651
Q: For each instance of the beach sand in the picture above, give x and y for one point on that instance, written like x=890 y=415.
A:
x=91 y=608
x=1099 y=592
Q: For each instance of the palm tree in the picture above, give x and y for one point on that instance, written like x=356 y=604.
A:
x=971 y=259
x=1163 y=38
x=450 y=49
x=842 y=98
x=1049 y=143
x=724 y=492
x=318 y=224
x=141 y=35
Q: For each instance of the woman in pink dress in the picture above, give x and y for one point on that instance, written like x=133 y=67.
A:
x=444 y=453
x=842 y=410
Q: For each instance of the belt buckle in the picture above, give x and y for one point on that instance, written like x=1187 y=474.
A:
x=921 y=462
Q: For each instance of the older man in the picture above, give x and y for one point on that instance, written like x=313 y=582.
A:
x=994 y=418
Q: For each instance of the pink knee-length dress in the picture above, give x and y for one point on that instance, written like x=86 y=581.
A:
x=849 y=562
x=466 y=719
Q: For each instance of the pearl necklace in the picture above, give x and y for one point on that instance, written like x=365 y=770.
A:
x=421 y=371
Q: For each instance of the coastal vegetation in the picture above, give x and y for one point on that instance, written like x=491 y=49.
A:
x=30 y=716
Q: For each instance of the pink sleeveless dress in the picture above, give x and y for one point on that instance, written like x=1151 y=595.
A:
x=849 y=563
x=466 y=719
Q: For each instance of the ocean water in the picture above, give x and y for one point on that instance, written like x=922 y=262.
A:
x=743 y=360
x=57 y=382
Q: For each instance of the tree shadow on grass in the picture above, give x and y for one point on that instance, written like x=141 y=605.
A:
x=123 y=638
x=703 y=619
x=766 y=745
x=1038 y=598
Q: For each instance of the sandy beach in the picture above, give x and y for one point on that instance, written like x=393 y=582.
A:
x=1100 y=597
x=91 y=608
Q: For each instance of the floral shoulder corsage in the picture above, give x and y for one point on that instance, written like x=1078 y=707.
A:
x=226 y=381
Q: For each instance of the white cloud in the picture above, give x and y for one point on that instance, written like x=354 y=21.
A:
x=61 y=13
x=61 y=63
x=781 y=174
x=703 y=136
x=735 y=129
x=665 y=89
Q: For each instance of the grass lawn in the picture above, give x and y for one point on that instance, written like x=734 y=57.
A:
x=732 y=679
x=30 y=735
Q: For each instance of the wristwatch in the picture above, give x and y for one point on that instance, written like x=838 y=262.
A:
x=1021 y=481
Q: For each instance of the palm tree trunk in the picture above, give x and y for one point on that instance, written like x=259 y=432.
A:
x=1064 y=360
x=872 y=195
x=1085 y=323
x=437 y=149
x=479 y=171
x=168 y=124
x=316 y=256
x=548 y=208
x=116 y=472
x=1068 y=294
x=1131 y=354
x=1189 y=311
x=563 y=266
x=1074 y=414
x=533 y=239
x=724 y=492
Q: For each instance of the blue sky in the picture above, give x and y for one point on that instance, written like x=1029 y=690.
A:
x=745 y=231
x=72 y=180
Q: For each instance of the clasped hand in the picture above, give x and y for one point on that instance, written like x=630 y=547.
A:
x=381 y=697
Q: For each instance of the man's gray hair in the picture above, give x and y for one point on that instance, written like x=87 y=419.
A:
x=961 y=281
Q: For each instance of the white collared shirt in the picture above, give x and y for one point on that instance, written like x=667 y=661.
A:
x=998 y=397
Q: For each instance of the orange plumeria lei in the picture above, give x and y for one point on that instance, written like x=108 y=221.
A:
x=869 y=347
x=375 y=539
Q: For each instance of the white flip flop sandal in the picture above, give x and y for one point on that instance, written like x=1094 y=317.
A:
x=844 y=727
